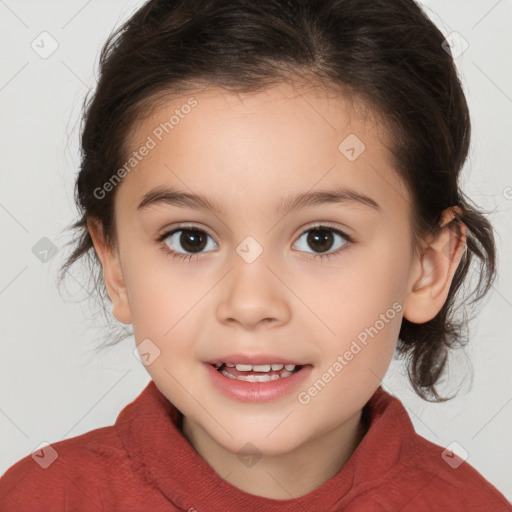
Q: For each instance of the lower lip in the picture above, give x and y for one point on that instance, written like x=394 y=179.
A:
x=255 y=392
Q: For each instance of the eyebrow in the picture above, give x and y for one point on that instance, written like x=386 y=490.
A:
x=176 y=197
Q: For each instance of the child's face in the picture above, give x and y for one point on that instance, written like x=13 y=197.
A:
x=340 y=315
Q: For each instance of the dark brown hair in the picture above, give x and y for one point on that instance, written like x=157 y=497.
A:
x=386 y=54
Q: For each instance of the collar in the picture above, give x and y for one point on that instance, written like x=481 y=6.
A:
x=149 y=430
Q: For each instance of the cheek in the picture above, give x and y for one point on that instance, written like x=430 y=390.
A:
x=365 y=284
x=375 y=309
x=361 y=302
x=161 y=296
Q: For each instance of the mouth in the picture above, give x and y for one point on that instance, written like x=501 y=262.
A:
x=257 y=373
x=257 y=378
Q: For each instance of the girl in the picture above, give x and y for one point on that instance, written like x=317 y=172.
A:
x=270 y=192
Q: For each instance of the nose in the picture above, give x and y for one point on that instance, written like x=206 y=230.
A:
x=253 y=297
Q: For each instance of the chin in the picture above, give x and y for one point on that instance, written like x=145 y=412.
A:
x=253 y=442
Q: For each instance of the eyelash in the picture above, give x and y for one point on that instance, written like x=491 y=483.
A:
x=187 y=256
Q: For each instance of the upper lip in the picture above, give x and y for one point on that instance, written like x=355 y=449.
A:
x=254 y=359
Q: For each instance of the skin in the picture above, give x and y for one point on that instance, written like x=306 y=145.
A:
x=247 y=152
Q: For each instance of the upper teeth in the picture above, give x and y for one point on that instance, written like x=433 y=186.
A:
x=258 y=367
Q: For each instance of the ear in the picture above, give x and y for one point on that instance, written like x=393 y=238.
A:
x=434 y=270
x=114 y=279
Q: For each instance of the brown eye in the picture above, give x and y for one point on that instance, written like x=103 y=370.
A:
x=189 y=240
x=192 y=240
x=322 y=239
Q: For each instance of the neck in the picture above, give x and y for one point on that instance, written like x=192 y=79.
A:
x=284 y=476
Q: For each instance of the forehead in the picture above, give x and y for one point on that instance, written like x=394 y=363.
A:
x=283 y=139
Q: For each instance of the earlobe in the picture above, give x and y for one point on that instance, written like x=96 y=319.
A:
x=112 y=272
x=436 y=267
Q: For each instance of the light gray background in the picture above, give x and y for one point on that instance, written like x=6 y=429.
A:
x=53 y=386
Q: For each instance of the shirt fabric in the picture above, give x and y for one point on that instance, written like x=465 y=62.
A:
x=144 y=463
